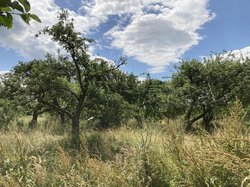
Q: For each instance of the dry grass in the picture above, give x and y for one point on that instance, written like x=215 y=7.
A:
x=159 y=155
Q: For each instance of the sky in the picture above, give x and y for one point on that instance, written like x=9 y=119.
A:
x=154 y=35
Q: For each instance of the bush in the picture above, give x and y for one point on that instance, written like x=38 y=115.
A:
x=8 y=112
x=112 y=110
x=151 y=156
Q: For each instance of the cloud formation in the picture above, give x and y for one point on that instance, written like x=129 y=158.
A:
x=22 y=38
x=244 y=52
x=160 y=32
x=155 y=32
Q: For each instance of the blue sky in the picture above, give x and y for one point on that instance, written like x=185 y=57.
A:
x=153 y=34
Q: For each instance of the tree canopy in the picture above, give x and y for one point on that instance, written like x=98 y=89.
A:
x=207 y=87
x=78 y=87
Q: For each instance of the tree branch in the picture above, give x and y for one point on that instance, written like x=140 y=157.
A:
x=57 y=108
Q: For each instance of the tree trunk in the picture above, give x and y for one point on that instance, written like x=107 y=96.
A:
x=189 y=123
x=33 y=122
x=75 y=132
x=63 y=120
x=139 y=121
x=76 y=125
x=188 y=126
x=208 y=117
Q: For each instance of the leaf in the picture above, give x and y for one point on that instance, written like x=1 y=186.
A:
x=35 y=17
x=6 y=9
x=6 y=21
x=25 y=18
x=17 y=6
x=26 y=4
x=9 y=20
x=4 y=3
x=2 y=20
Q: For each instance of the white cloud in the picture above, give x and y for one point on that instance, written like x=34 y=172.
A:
x=101 y=9
x=3 y=72
x=160 y=36
x=154 y=40
x=22 y=38
x=244 y=52
x=155 y=32
x=239 y=54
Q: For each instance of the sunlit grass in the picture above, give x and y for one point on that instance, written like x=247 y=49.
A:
x=160 y=154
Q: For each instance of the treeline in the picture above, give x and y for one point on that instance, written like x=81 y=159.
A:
x=76 y=87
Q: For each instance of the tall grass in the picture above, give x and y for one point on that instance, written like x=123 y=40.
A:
x=158 y=155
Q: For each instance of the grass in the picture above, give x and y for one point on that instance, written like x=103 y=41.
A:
x=157 y=155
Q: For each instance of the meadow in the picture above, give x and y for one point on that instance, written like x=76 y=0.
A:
x=159 y=154
x=77 y=120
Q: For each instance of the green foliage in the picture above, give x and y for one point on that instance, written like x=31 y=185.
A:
x=8 y=112
x=111 y=110
x=80 y=89
x=198 y=90
x=158 y=100
x=63 y=85
x=112 y=99
x=152 y=97
x=27 y=83
x=206 y=88
x=17 y=7
x=8 y=108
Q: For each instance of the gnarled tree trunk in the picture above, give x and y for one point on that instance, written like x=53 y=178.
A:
x=207 y=118
x=33 y=122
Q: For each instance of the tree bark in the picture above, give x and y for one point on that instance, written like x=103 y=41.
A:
x=207 y=118
x=63 y=120
x=33 y=122
x=75 y=132
x=188 y=125
x=76 y=125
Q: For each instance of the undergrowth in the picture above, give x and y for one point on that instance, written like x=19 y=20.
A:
x=157 y=155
